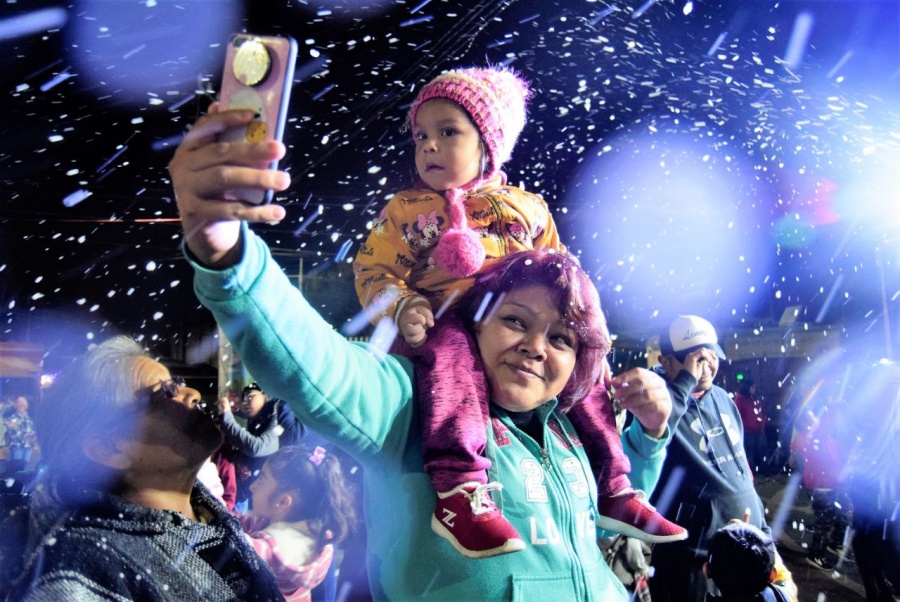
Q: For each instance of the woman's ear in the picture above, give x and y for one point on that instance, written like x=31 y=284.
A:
x=107 y=452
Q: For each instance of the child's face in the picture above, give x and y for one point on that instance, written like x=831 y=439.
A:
x=448 y=146
x=263 y=490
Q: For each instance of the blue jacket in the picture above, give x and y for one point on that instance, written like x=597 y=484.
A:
x=706 y=468
x=364 y=401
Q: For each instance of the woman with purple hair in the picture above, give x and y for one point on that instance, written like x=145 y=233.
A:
x=539 y=341
x=425 y=249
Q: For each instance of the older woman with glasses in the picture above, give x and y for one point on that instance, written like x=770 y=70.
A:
x=119 y=514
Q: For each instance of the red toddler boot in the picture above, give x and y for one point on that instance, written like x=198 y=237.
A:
x=630 y=514
x=468 y=518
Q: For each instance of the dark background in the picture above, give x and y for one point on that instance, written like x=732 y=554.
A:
x=712 y=161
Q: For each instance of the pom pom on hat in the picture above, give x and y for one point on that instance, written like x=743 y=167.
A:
x=494 y=99
x=459 y=251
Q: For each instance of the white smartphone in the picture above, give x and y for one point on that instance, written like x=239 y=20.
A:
x=258 y=74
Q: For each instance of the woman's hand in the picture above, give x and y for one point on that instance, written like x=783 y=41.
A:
x=644 y=394
x=204 y=171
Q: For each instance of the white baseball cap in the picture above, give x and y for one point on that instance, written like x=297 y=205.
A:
x=689 y=333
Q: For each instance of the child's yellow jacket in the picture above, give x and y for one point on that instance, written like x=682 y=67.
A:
x=396 y=263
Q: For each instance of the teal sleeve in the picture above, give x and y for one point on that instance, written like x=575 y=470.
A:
x=350 y=393
x=646 y=455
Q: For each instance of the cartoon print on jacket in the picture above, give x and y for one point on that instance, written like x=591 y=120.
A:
x=385 y=297
x=378 y=224
x=517 y=232
x=408 y=237
x=428 y=228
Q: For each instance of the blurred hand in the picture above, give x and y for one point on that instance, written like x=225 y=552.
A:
x=743 y=519
x=644 y=394
x=695 y=361
x=414 y=321
x=225 y=405
x=203 y=172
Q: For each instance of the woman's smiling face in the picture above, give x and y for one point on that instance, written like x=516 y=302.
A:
x=527 y=349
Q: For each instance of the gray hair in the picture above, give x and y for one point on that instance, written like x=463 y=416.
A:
x=86 y=399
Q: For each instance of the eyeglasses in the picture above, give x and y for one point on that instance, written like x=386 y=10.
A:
x=163 y=391
x=143 y=401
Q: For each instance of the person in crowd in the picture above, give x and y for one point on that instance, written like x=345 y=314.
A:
x=227 y=477
x=288 y=428
x=246 y=447
x=352 y=577
x=872 y=473
x=755 y=420
x=302 y=508
x=7 y=405
x=270 y=425
x=209 y=476
x=423 y=251
x=541 y=341
x=742 y=562
x=20 y=433
x=783 y=420
x=705 y=479
x=817 y=451
x=118 y=513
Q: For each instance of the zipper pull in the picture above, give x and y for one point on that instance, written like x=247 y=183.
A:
x=545 y=456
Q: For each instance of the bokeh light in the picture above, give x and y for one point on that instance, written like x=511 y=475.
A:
x=130 y=52
x=669 y=224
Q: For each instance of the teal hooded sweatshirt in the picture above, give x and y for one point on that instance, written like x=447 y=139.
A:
x=364 y=401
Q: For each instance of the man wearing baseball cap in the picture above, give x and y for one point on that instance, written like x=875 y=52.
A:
x=706 y=466
x=271 y=425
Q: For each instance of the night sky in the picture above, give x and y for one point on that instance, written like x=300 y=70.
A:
x=726 y=158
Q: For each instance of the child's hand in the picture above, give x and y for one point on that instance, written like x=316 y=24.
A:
x=414 y=320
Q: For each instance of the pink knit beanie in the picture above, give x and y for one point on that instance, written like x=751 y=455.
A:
x=494 y=99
